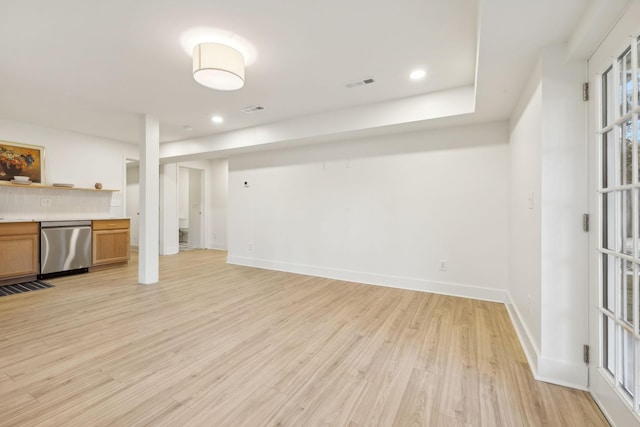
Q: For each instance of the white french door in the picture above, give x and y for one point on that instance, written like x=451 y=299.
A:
x=614 y=122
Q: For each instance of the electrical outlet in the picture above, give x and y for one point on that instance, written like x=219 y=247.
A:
x=443 y=265
x=45 y=202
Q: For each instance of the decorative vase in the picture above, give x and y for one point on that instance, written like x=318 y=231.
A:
x=11 y=170
x=98 y=186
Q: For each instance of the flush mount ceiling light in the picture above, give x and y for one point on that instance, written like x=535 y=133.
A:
x=218 y=66
x=217 y=119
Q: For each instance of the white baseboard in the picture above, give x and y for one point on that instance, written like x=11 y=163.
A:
x=560 y=372
x=453 y=289
x=170 y=250
x=527 y=342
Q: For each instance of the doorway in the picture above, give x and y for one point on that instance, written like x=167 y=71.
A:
x=132 y=202
x=614 y=302
x=190 y=208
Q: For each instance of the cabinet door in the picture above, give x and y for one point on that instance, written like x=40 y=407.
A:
x=18 y=256
x=110 y=246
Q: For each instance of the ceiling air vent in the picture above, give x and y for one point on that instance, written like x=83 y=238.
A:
x=361 y=82
x=252 y=109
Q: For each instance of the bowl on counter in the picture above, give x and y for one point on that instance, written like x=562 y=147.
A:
x=19 y=178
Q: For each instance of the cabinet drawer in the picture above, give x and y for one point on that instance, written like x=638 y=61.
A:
x=110 y=224
x=18 y=228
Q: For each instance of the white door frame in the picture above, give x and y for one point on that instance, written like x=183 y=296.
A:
x=202 y=223
x=602 y=387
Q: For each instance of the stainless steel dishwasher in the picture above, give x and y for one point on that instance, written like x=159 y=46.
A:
x=65 y=247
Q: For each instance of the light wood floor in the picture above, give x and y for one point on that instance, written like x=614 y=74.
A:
x=219 y=345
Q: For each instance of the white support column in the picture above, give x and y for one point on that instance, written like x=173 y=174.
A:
x=148 y=267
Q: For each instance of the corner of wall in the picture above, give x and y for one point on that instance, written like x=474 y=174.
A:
x=535 y=80
x=531 y=351
x=559 y=372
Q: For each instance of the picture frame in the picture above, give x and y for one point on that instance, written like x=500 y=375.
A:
x=17 y=159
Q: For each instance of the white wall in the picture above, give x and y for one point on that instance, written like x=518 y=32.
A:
x=133 y=201
x=548 y=250
x=196 y=208
x=525 y=175
x=218 y=185
x=73 y=158
x=169 y=237
x=564 y=245
x=384 y=210
x=183 y=197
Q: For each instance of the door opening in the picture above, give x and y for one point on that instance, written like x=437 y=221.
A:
x=614 y=303
x=190 y=209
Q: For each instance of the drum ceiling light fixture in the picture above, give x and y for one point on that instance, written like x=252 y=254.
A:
x=218 y=66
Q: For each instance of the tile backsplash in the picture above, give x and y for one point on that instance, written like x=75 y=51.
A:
x=53 y=204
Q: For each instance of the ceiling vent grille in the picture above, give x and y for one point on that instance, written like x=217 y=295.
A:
x=361 y=82
x=252 y=109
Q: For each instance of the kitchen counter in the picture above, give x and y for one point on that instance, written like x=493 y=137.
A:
x=105 y=242
x=8 y=220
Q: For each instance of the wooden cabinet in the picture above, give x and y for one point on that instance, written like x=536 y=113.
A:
x=19 y=260
x=111 y=240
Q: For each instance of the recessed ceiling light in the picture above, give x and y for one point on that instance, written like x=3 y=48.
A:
x=217 y=119
x=417 y=74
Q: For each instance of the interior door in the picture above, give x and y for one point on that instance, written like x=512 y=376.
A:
x=614 y=77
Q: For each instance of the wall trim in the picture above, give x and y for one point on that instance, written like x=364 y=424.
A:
x=170 y=250
x=564 y=373
x=444 y=288
x=560 y=372
x=527 y=342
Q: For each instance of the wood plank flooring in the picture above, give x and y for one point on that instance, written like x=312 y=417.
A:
x=220 y=345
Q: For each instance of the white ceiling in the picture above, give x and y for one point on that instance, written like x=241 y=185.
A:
x=95 y=66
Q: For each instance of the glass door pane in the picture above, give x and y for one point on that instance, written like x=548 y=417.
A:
x=626 y=378
x=608 y=100
x=619 y=250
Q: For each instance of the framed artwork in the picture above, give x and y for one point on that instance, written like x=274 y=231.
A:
x=21 y=160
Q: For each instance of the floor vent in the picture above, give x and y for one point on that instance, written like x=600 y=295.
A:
x=23 y=287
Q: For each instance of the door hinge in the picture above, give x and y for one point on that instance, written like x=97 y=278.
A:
x=585 y=91
x=585 y=354
x=585 y=222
